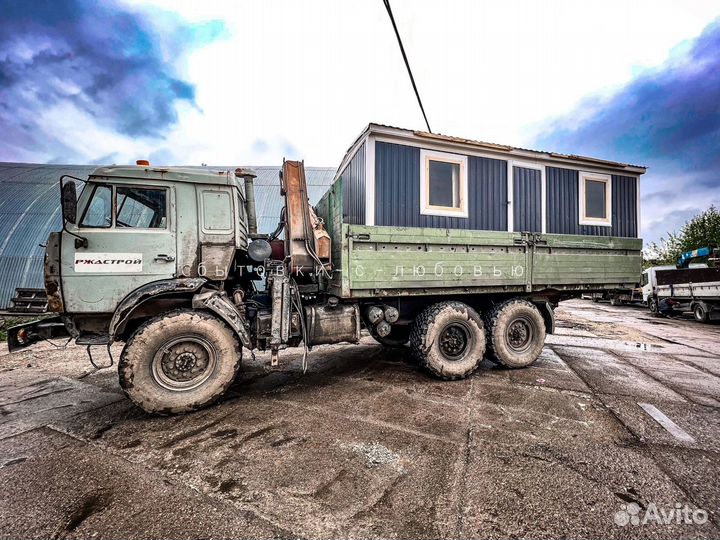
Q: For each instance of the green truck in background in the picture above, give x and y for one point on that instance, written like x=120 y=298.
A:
x=169 y=261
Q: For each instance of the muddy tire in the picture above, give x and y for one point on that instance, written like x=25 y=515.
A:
x=398 y=336
x=448 y=340
x=615 y=301
x=654 y=307
x=516 y=333
x=700 y=312
x=179 y=362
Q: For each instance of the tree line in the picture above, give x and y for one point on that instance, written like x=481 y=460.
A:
x=700 y=231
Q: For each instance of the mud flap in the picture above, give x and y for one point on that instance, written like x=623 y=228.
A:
x=548 y=315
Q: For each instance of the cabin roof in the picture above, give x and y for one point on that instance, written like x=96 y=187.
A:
x=501 y=150
x=173 y=174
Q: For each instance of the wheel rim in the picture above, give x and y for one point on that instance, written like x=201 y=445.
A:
x=454 y=341
x=519 y=334
x=184 y=363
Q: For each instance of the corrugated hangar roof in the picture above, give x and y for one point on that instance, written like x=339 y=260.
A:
x=30 y=210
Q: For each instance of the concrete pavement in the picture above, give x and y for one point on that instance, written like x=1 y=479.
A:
x=366 y=446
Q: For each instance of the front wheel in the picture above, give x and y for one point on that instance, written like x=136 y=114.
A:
x=179 y=362
x=448 y=340
x=516 y=333
x=653 y=306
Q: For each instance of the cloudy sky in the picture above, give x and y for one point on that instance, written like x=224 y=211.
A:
x=225 y=83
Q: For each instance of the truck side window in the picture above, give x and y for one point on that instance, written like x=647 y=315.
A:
x=98 y=212
x=141 y=208
x=217 y=212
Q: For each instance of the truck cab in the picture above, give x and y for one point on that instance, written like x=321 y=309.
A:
x=134 y=226
x=649 y=284
x=169 y=261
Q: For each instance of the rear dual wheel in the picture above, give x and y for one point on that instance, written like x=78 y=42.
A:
x=448 y=340
x=516 y=333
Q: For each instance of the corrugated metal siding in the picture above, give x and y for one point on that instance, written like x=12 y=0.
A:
x=267 y=192
x=624 y=195
x=527 y=200
x=397 y=191
x=30 y=210
x=563 y=213
x=353 y=183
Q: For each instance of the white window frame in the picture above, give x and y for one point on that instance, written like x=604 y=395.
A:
x=595 y=177
x=430 y=210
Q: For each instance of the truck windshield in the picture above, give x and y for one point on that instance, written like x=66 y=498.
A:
x=141 y=208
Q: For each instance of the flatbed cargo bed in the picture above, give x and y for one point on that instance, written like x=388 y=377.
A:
x=689 y=284
x=378 y=261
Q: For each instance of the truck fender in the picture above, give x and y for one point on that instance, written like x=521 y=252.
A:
x=548 y=315
x=147 y=291
x=220 y=305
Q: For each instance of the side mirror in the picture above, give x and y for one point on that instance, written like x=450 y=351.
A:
x=69 y=201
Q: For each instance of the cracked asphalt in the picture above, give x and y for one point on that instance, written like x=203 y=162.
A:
x=364 y=445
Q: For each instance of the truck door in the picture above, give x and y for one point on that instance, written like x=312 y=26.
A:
x=646 y=285
x=131 y=241
x=527 y=198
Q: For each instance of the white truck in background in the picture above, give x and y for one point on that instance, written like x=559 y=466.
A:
x=695 y=289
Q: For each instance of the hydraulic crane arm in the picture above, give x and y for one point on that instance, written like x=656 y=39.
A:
x=686 y=258
x=307 y=243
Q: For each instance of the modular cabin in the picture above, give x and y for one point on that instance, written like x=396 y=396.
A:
x=412 y=213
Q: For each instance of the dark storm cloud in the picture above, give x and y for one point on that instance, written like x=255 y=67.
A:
x=667 y=119
x=98 y=56
x=672 y=113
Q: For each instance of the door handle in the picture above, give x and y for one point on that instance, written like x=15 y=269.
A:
x=164 y=258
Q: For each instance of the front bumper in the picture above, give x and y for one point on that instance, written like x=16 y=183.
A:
x=24 y=335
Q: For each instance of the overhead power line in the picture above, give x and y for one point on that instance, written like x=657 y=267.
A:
x=407 y=64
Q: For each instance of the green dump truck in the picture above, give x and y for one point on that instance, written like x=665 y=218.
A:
x=457 y=249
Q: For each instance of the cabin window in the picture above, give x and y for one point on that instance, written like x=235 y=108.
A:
x=98 y=212
x=595 y=199
x=443 y=184
x=216 y=212
x=141 y=208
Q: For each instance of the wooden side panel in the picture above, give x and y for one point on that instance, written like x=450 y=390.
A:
x=581 y=261
x=417 y=258
x=391 y=261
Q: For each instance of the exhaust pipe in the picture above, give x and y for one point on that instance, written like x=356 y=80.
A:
x=249 y=176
